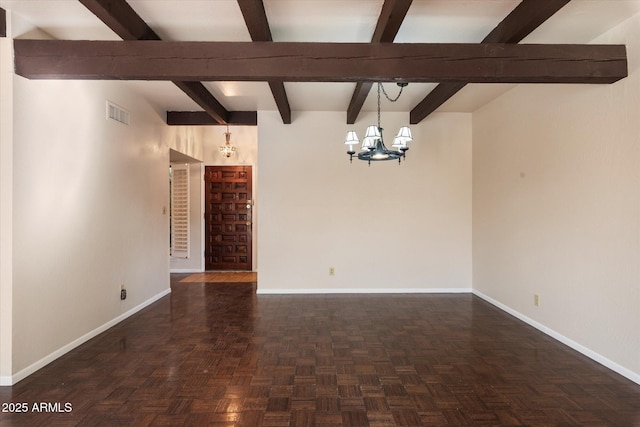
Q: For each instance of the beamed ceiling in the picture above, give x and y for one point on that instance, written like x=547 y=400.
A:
x=226 y=59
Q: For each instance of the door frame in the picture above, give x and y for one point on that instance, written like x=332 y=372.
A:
x=254 y=211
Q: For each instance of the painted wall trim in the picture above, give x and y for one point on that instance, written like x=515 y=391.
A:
x=86 y=337
x=186 y=270
x=627 y=373
x=363 y=291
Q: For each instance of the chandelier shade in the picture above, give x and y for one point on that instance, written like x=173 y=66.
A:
x=351 y=140
x=371 y=136
x=401 y=139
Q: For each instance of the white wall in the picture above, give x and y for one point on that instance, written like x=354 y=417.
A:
x=184 y=139
x=6 y=204
x=384 y=228
x=88 y=213
x=556 y=208
x=244 y=138
x=82 y=214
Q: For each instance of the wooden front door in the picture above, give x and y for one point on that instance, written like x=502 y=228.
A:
x=227 y=215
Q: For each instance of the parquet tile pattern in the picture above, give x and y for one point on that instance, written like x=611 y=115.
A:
x=218 y=355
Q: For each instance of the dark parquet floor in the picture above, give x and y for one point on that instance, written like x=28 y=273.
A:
x=218 y=355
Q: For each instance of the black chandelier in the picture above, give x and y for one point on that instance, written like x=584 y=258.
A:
x=373 y=148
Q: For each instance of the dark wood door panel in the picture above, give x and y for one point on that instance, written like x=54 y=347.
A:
x=228 y=206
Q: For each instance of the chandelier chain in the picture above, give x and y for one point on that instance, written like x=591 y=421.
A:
x=386 y=95
x=379 y=85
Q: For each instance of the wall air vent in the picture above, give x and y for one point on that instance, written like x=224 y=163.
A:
x=117 y=113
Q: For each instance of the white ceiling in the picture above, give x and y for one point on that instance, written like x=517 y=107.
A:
x=321 y=21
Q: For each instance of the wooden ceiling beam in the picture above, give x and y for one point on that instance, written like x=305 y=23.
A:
x=197 y=92
x=319 y=62
x=128 y=25
x=360 y=93
x=256 y=19
x=282 y=101
x=3 y=23
x=201 y=118
x=121 y=18
x=389 y=22
x=521 y=22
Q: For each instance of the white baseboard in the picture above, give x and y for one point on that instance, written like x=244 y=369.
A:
x=86 y=337
x=185 y=270
x=627 y=373
x=362 y=291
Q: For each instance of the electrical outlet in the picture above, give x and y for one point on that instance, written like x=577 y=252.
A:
x=123 y=292
x=332 y=271
x=536 y=300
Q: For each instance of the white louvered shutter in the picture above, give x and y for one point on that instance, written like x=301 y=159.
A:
x=180 y=210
